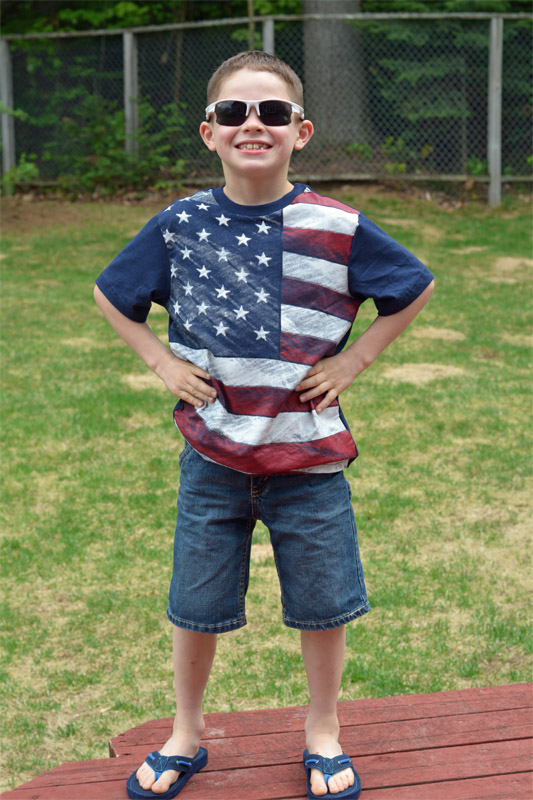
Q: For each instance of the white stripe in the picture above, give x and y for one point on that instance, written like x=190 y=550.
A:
x=244 y=371
x=295 y=426
x=308 y=322
x=316 y=270
x=320 y=218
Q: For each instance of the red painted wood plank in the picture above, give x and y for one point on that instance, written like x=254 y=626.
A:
x=505 y=787
x=502 y=787
x=360 y=740
x=104 y=779
x=357 y=712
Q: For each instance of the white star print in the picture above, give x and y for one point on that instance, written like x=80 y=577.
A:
x=203 y=207
x=263 y=227
x=188 y=288
x=263 y=259
x=203 y=235
x=222 y=292
x=221 y=329
x=222 y=220
x=187 y=325
x=186 y=253
x=169 y=207
x=242 y=275
x=261 y=334
x=177 y=307
x=262 y=296
x=173 y=271
x=241 y=313
x=183 y=217
x=203 y=273
x=168 y=236
x=242 y=239
x=223 y=254
x=202 y=308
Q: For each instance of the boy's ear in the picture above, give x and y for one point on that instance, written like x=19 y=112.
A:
x=305 y=132
x=207 y=134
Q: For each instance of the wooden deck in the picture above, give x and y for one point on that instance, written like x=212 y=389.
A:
x=473 y=744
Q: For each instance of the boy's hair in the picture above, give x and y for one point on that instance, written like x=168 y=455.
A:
x=260 y=62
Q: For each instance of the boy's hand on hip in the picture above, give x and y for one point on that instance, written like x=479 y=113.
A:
x=329 y=377
x=186 y=381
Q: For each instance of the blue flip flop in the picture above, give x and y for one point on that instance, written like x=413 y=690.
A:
x=329 y=766
x=186 y=766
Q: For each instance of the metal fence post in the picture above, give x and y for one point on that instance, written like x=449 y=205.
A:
x=6 y=96
x=494 y=144
x=131 y=91
x=268 y=35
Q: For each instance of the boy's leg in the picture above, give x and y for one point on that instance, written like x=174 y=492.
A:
x=193 y=658
x=323 y=655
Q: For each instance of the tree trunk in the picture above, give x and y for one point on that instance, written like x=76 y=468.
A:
x=335 y=85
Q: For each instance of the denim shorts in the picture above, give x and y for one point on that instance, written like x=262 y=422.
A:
x=314 y=539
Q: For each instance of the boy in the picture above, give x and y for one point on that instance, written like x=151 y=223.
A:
x=262 y=281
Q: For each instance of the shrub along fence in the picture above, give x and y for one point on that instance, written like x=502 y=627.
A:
x=410 y=96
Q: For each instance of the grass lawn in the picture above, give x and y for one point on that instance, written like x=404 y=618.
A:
x=441 y=489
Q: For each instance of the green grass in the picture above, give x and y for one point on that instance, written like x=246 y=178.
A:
x=441 y=490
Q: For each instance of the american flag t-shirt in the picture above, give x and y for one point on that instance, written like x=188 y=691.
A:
x=257 y=296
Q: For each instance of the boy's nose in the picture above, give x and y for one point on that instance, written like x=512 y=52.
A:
x=252 y=121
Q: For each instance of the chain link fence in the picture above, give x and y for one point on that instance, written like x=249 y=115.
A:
x=403 y=96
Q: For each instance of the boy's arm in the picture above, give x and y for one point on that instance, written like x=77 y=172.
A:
x=180 y=377
x=331 y=376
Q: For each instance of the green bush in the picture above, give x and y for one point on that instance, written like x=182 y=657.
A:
x=90 y=149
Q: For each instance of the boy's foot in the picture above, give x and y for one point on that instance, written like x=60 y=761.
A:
x=181 y=744
x=327 y=745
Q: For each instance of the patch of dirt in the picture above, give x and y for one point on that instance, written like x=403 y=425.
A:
x=428 y=231
x=511 y=270
x=420 y=374
x=518 y=339
x=447 y=334
x=25 y=212
x=143 y=381
x=466 y=251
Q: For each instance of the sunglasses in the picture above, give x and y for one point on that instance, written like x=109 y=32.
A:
x=270 y=112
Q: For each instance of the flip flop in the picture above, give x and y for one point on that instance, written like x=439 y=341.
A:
x=186 y=766
x=329 y=766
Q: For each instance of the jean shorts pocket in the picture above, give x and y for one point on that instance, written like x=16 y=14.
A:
x=185 y=453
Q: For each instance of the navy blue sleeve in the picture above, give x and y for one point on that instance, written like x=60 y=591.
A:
x=139 y=274
x=382 y=269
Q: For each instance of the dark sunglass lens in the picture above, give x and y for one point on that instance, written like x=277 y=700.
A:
x=275 y=112
x=230 y=112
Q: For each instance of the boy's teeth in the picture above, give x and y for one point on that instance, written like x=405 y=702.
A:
x=250 y=146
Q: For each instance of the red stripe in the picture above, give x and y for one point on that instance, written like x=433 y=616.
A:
x=262 y=401
x=304 y=349
x=327 y=245
x=320 y=200
x=310 y=295
x=267 y=459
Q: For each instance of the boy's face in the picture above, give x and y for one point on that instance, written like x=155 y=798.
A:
x=254 y=150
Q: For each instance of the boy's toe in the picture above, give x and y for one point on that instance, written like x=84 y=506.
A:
x=163 y=784
x=145 y=776
x=318 y=784
x=341 y=781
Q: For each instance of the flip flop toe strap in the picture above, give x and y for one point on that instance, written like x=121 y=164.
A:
x=160 y=763
x=329 y=766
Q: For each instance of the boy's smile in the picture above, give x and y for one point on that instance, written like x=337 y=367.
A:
x=255 y=157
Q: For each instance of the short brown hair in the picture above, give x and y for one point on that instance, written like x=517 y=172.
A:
x=260 y=62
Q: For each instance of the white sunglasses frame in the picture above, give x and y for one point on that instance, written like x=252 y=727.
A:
x=296 y=109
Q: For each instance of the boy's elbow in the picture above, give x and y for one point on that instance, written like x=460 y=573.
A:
x=99 y=297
